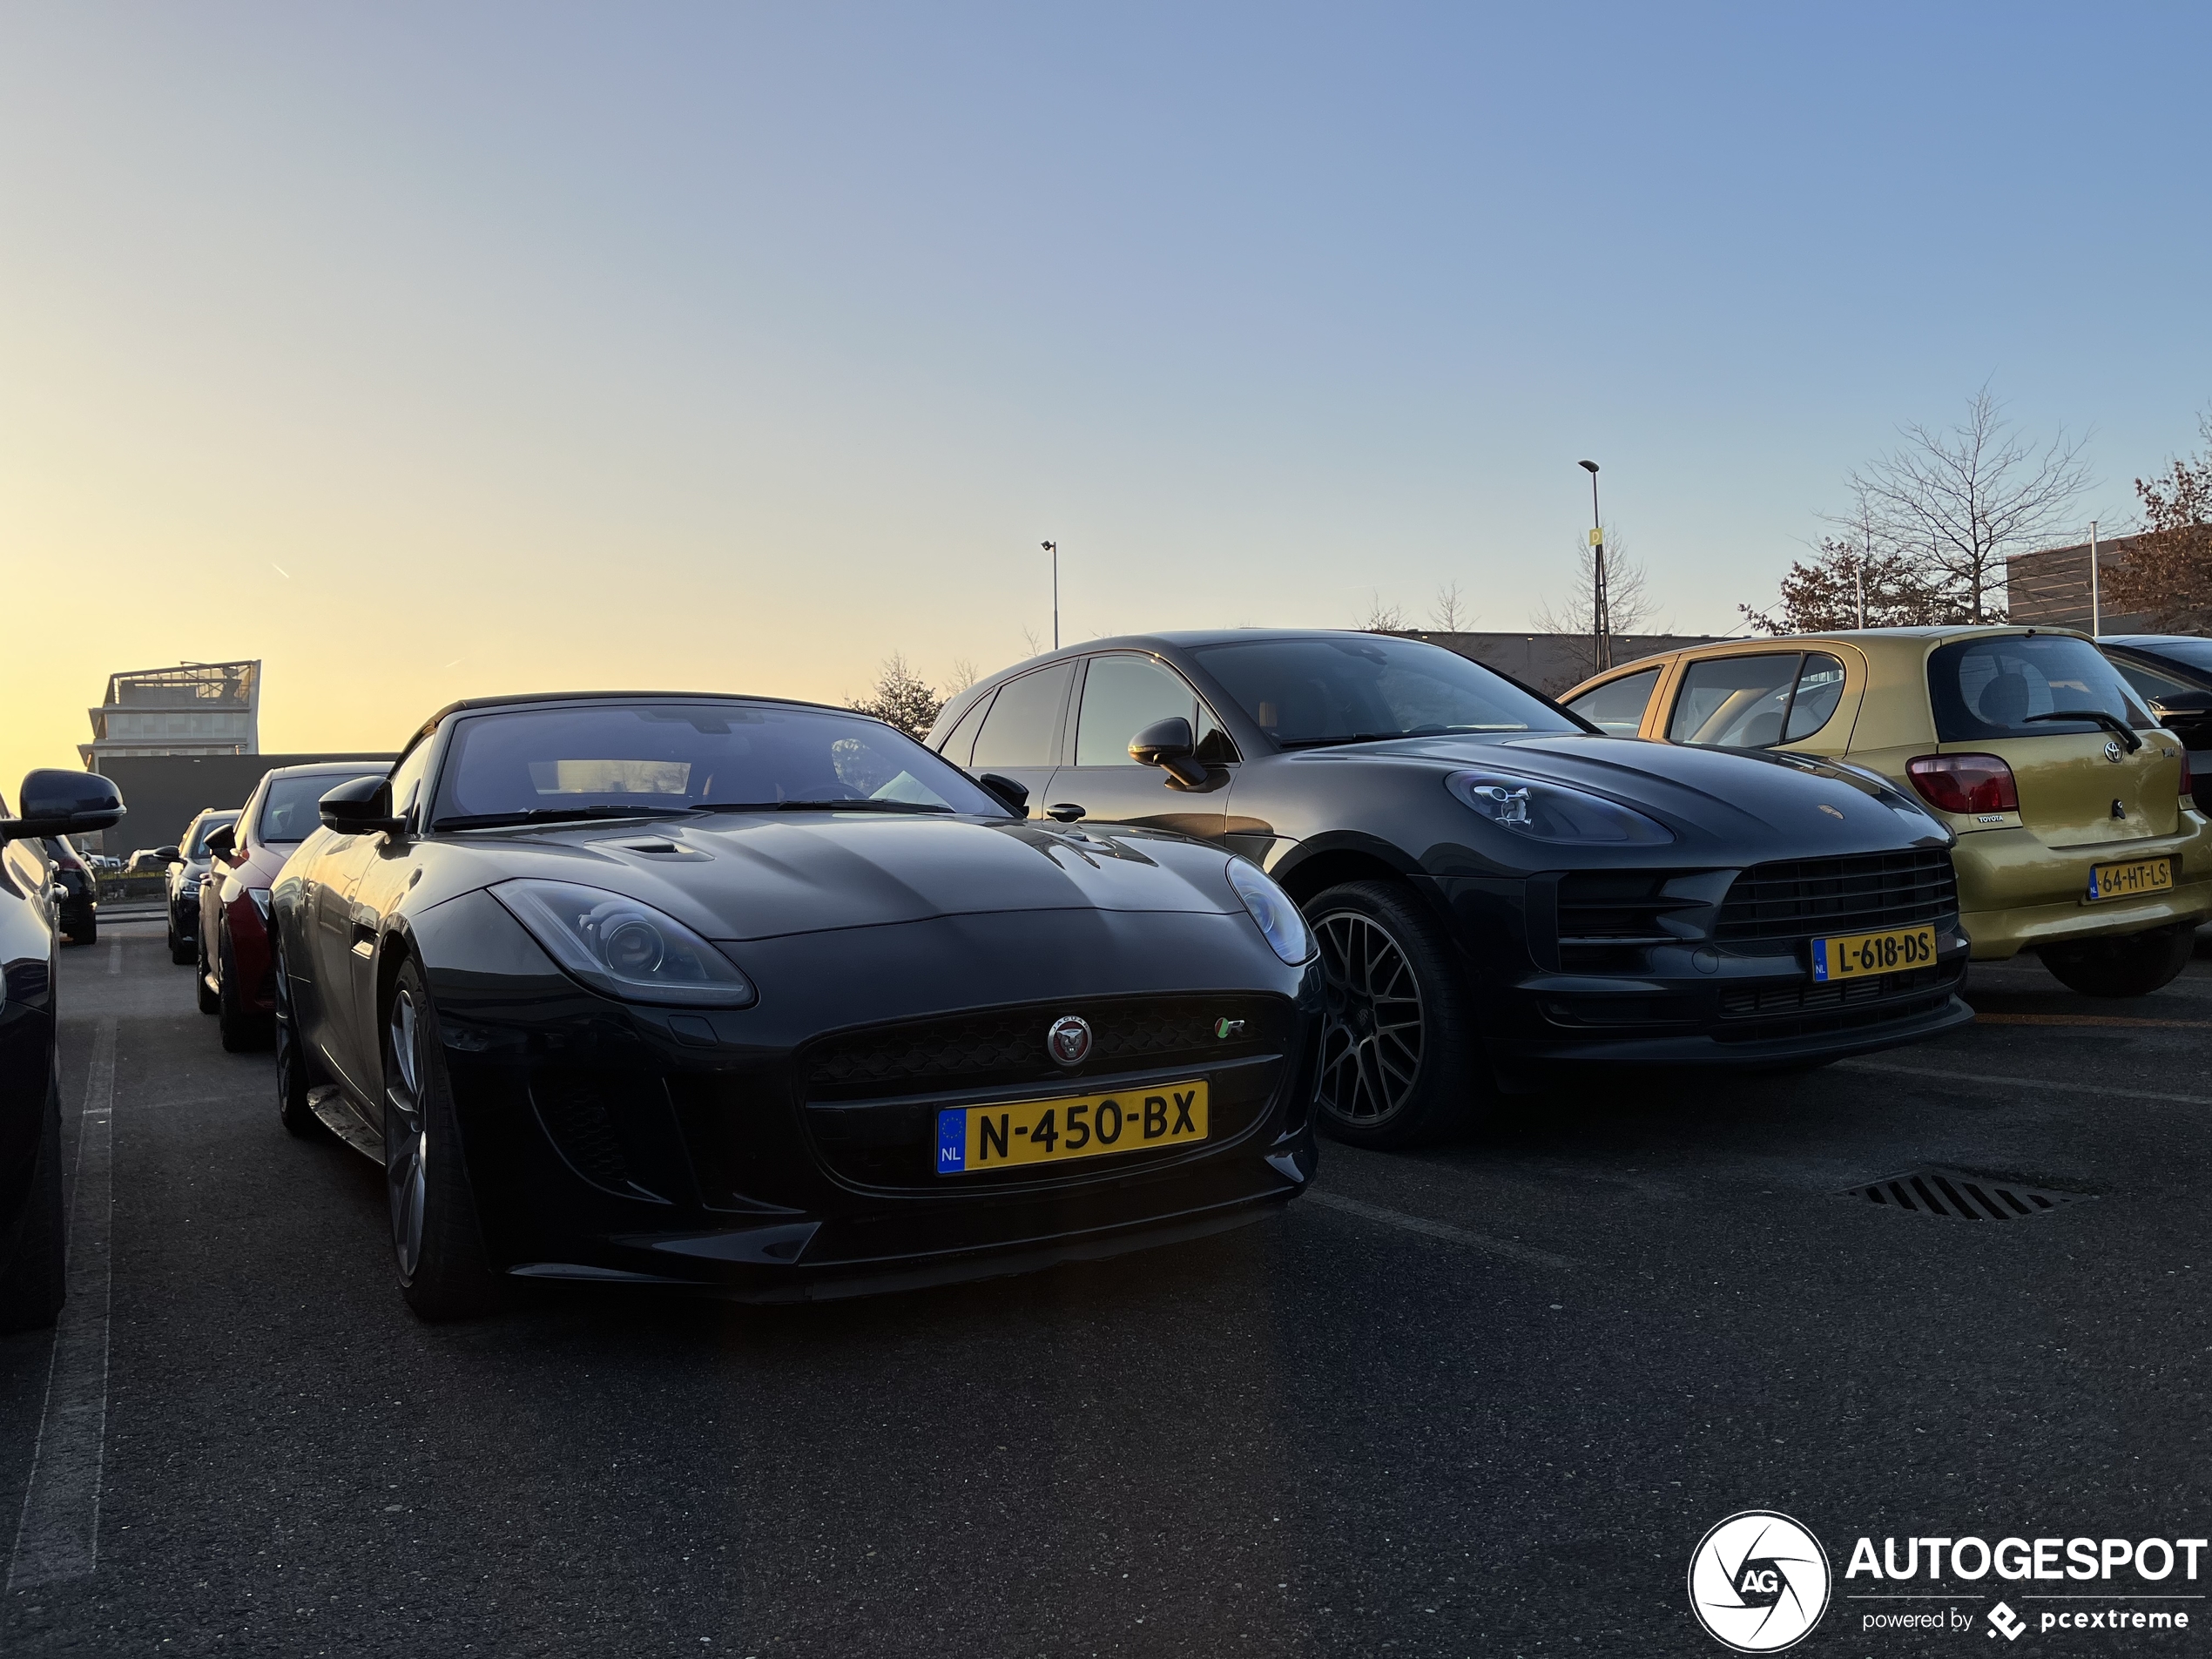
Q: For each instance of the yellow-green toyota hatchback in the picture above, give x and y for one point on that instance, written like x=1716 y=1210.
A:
x=2077 y=835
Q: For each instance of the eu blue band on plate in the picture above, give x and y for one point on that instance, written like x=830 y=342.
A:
x=1820 y=961
x=952 y=1138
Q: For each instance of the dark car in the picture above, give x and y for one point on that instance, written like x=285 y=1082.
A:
x=765 y=998
x=189 y=861
x=2173 y=674
x=233 y=954
x=76 y=890
x=1497 y=885
x=32 y=1221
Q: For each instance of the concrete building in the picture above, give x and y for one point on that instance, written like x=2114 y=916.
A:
x=166 y=792
x=192 y=709
x=2050 y=587
x=1555 y=662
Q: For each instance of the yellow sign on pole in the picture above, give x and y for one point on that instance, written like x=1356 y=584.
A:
x=1597 y=538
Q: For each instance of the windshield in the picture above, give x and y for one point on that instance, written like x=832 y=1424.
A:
x=590 y=761
x=1996 y=687
x=288 y=812
x=197 y=847
x=1326 y=688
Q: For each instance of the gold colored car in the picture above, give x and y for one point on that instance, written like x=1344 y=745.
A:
x=2077 y=837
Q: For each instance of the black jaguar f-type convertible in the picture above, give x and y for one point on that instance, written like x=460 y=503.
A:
x=766 y=998
x=1498 y=886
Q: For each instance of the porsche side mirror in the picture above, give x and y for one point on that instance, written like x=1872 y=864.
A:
x=221 y=840
x=55 y=801
x=1166 y=744
x=360 y=806
x=1015 y=795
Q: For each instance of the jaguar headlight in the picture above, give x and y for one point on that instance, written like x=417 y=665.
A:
x=1276 y=917
x=1549 y=812
x=625 y=948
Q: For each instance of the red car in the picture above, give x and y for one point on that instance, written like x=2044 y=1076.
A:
x=235 y=978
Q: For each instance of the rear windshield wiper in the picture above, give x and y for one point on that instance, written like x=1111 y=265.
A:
x=2111 y=723
x=816 y=806
x=545 y=815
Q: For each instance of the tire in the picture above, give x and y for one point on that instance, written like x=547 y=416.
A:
x=182 y=951
x=209 y=1002
x=297 y=1075
x=35 y=1285
x=243 y=1032
x=84 y=933
x=437 y=1244
x=1399 y=1062
x=2133 y=965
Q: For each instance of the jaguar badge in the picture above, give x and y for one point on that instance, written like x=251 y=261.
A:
x=1069 y=1039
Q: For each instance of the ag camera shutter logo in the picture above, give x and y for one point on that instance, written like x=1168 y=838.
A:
x=1758 y=1581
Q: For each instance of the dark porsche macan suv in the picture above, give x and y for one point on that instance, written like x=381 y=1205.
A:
x=765 y=998
x=1497 y=885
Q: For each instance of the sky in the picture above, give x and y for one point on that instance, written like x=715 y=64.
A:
x=431 y=351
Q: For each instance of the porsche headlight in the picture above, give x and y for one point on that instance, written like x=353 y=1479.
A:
x=625 y=948
x=1278 y=920
x=1549 y=812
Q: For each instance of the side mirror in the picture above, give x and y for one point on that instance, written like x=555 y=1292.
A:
x=2195 y=704
x=170 y=854
x=1167 y=745
x=1015 y=795
x=360 y=806
x=221 y=840
x=57 y=802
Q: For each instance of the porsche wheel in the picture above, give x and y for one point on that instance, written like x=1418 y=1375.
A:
x=296 y=1073
x=241 y=1029
x=210 y=1002
x=182 y=951
x=437 y=1246
x=1398 y=1063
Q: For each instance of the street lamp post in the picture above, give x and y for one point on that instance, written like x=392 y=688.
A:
x=1601 y=623
x=1053 y=548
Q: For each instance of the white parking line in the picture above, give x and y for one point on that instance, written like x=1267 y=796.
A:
x=1525 y=1254
x=59 y=1534
x=1990 y=1080
x=115 y=958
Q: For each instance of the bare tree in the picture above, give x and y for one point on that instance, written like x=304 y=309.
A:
x=1845 y=585
x=1037 y=645
x=1955 y=503
x=1627 y=601
x=1451 y=613
x=1382 y=618
x=901 y=698
x=2168 y=572
x=964 y=674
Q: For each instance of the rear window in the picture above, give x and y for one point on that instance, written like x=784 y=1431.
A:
x=1994 y=688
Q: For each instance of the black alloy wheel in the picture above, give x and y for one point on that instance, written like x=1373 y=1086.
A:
x=296 y=1072
x=437 y=1245
x=2134 y=965
x=182 y=951
x=36 y=1284
x=1398 y=1062
x=242 y=1031
x=209 y=1000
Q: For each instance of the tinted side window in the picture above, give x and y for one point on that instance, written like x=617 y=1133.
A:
x=1993 y=687
x=1024 y=720
x=1820 y=688
x=1734 y=702
x=959 y=747
x=2148 y=683
x=1618 y=706
x=1122 y=696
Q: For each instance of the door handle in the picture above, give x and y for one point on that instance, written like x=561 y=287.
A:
x=1066 y=811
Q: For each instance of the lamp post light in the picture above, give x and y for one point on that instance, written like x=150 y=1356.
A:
x=1053 y=548
x=1601 y=623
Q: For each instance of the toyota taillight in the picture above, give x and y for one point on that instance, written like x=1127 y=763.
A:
x=1964 y=783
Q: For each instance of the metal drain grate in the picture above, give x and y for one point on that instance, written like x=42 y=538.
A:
x=1967 y=1197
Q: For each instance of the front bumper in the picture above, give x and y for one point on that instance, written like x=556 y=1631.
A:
x=612 y=1143
x=2018 y=894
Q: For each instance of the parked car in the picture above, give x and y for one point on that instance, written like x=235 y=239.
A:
x=2173 y=675
x=189 y=861
x=77 y=888
x=2079 y=832
x=765 y=998
x=232 y=954
x=55 y=804
x=1496 y=887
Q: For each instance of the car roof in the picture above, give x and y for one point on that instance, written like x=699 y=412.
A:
x=310 y=768
x=2150 y=640
x=520 y=699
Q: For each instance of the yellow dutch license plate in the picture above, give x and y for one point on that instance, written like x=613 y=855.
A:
x=1074 y=1126
x=1856 y=955
x=2131 y=880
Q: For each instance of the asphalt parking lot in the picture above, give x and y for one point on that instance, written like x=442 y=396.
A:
x=1481 y=1399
